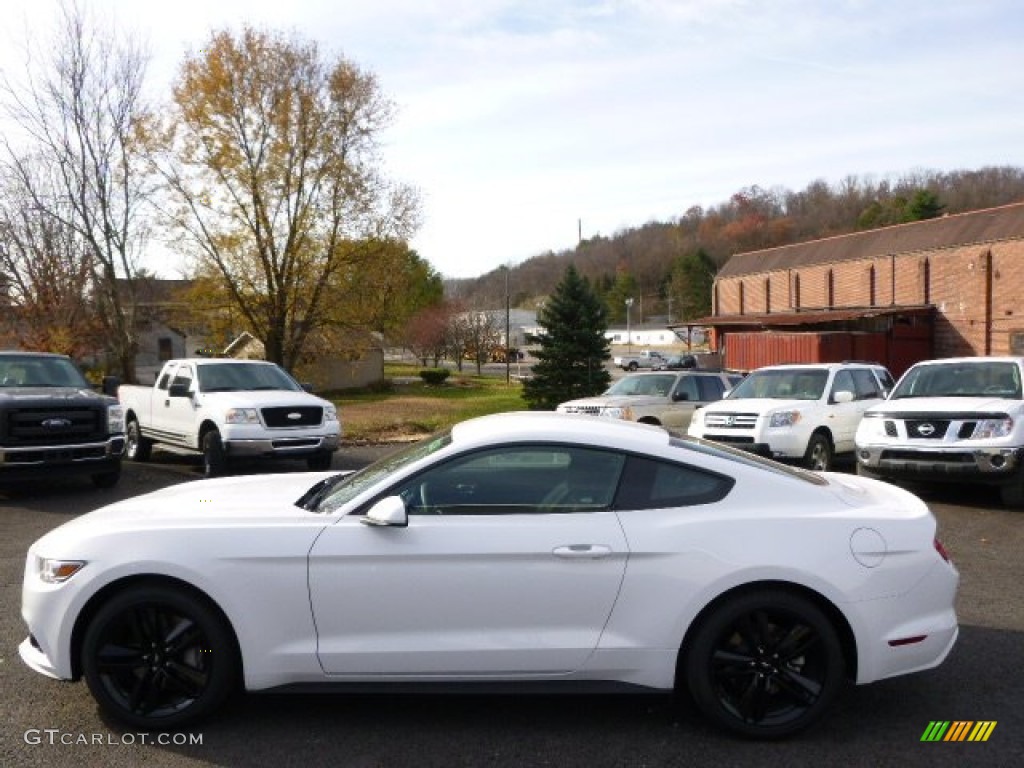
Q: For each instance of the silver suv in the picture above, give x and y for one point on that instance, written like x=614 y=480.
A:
x=663 y=398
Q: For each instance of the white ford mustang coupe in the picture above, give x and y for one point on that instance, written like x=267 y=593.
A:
x=511 y=551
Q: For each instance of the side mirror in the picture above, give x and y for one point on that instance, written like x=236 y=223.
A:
x=388 y=512
x=307 y=386
x=843 y=396
x=677 y=396
x=110 y=385
x=178 y=390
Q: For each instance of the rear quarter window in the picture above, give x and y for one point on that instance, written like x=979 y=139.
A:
x=653 y=484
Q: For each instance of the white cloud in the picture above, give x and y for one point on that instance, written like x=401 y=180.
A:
x=516 y=119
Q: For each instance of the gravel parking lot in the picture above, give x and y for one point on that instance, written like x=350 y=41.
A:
x=45 y=723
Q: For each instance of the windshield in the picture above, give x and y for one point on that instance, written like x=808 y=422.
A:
x=963 y=379
x=346 y=487
x=232 y=377
x=32 y=371
x=642 y=384
x=787 y=384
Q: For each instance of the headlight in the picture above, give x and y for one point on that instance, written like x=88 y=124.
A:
x=330 y=413
x=57 y=571
x=784 y=419
x=115 y=419
x=990 y=428
x=870 y=427
x=615 y=412
x=242 y=416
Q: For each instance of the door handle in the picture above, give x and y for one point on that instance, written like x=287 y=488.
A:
x=582 y=551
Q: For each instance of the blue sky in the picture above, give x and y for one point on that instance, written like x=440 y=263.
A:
x=517 y=120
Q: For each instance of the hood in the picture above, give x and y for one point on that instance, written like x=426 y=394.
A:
x=757 y=404
x=947 y=405
x=49 y=395
x=263 y=398
x=220 y=501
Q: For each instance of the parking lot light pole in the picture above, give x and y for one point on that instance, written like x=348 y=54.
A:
x=508 y=338
x=629 y=335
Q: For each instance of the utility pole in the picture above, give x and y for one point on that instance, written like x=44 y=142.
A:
x=629 y=335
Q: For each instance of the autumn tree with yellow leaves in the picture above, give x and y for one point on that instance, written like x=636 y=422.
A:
x=271 y=158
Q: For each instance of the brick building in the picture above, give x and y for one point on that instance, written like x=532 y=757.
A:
x=936 y=288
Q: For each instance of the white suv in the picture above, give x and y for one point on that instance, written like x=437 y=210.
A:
x=954 y=420
x=806 y=413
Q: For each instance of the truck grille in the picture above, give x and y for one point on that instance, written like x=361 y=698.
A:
x=52 y=426
x=927 y=429
x=730 y=420
x=296 y=416
x=589 y=410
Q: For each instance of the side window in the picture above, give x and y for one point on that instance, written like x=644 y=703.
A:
x=686 y=389
x=165 y=377
x=524 y=479
x=183 y=376
x=842 y=382
x=653 y=484
x=711 y=388
x=866 y=385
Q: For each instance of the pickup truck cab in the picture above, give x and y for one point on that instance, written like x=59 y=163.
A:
x=804 y=413
x=226 y=408
x=952 y=420
x=649 y=358
x=666 y=399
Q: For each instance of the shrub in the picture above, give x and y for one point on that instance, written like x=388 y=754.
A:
x=434 y=376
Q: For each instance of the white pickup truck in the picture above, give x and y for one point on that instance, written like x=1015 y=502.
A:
x=226 y=408
x=649 y=358
x=954 y=420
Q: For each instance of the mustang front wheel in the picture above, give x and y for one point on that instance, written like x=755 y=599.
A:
x=766 y=664
x=155 y=657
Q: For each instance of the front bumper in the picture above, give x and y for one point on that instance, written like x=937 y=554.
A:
x=283 y=447
x=85 y=458
x=988 y=465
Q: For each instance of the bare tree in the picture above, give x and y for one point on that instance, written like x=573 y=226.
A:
x=47 y=272
x=80 y=108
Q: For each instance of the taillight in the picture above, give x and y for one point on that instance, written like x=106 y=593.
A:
x=942 y=551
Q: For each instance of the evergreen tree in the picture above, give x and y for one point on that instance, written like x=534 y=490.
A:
x=573 y=349
x=691 y=284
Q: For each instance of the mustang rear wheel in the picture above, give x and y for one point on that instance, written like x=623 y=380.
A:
x=766 y=664
x=155 y=657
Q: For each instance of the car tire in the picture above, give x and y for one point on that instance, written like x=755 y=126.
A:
x=320 y=462
x=819 y=453
x=106 y=479
x=632 y=366
x=215 y=461
x=136 y=447
x=156 y=657
x=765 y=664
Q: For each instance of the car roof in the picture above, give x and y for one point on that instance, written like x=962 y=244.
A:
x=26 y=353
x=976 y=359
x=526 y=426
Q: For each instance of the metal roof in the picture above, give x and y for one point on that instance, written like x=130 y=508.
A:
x=987 y=226
x=772 y=319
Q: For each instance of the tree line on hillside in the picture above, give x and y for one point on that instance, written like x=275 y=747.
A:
x=667 y=267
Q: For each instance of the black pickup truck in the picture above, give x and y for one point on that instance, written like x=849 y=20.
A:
x=53 y=423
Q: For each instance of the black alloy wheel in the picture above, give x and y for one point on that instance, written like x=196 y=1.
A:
x=155 y=657
x=765 y=665
x=819 y=453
